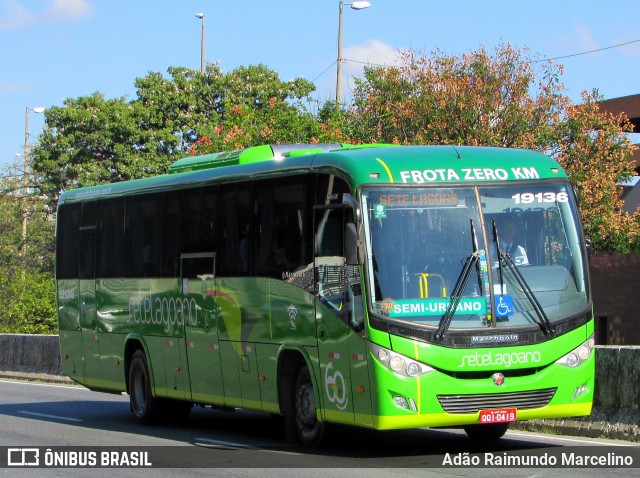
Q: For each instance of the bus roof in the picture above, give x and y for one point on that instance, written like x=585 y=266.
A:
x=361 y=164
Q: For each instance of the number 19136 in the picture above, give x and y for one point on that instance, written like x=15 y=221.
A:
x=549 y=197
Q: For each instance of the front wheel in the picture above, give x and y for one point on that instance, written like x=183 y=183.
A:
x=493 y=431
x=309 y=429
x=144 y=406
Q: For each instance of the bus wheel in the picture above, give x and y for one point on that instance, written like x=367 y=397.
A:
x=144 y=406
x=310 y=431
x=492 y=431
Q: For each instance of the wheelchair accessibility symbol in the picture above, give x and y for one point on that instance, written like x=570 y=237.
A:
x=504 y=305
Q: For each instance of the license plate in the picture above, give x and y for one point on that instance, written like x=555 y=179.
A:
x=498 y=416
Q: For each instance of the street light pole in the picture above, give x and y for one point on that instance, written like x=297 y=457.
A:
x=201 y=17
x=25 y=173
x=354 y=6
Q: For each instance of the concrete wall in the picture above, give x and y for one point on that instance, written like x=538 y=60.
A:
x=30 y=353
x=618 y=377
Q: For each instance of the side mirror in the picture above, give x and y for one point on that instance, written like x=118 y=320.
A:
x=351 y=245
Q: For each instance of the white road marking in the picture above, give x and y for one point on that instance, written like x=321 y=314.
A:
x=54 y=417
x=45 y=384
x=208 y=442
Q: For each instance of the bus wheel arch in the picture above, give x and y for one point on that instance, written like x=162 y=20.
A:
x=130 y=348
x=299 y=400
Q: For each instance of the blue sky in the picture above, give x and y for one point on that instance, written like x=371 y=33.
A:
x=55 y=49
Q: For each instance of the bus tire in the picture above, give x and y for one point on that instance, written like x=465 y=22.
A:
x=492 y=431
x=144 y=406
x=309 y=429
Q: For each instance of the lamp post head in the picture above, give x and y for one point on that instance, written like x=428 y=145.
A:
x=360 y=5
x=200 y=16
x=38 y=109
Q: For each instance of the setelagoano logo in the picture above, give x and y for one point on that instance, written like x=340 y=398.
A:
x=504 y=360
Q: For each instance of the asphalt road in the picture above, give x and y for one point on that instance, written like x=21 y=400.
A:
x=67 y=421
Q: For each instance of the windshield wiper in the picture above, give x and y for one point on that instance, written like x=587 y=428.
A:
x=459 y=288
x=505 y=257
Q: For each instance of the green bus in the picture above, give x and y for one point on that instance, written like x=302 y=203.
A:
x=366 y=285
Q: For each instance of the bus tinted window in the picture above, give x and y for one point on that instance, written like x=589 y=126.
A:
x=87 y=256
x=143 y=237
x=198 y=220
x=67 y=252
x=234 y=229
x=110 y=238
x=281 y=229
x=171 y=235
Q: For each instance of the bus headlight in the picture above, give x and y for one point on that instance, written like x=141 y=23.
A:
x=578 y=355
x=399 y=364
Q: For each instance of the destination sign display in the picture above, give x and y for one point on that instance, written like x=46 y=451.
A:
x=420 y=199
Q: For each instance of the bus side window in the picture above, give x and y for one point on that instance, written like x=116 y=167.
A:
x=87 y=241
x=110 y=238
x=234 y=230
x=68 y=223
x=171 y=232
x=143 y=236
x=281 y=243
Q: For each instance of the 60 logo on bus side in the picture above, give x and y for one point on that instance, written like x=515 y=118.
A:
x=335 y=387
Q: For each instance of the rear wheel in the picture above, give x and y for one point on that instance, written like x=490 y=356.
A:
x=493 y=431
x=144 y=406
x=309 y=429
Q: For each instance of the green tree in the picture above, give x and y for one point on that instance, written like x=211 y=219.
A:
x=256 y=107
x=27 y=286
x=90 y=140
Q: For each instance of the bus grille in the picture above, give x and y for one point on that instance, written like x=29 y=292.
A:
x=488 y=401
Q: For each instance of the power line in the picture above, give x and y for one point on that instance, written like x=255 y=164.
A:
x=325 y=70
x=532 y=61
x=588 y=52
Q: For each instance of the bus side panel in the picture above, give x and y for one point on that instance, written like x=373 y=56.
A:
x=230 y=338
x=335 y=386
x=112 y=315
x=267 y=358
x=90 y=333
x=291 y=322
x=71 y=351
x=112 y=361
x=202 y=345
x=155 y=358
x=176 y=369
x=253 y=296
x=360 y=383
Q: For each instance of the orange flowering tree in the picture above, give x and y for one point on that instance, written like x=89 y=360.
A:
x=593 y=148
x=503 y=99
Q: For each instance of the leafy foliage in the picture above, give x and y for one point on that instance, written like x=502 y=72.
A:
x=27 y=286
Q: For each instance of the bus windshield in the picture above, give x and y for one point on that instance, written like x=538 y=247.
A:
x=505 y=256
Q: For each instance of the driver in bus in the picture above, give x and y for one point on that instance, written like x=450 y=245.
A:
x=508 y=242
